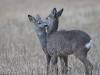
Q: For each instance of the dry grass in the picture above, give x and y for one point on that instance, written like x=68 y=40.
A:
x=20 y=49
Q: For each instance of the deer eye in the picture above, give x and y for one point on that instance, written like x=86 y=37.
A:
x=47 y=18
x=39 y=23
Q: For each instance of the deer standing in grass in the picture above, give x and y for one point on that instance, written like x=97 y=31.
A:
x=64 y=43
x=40 y=28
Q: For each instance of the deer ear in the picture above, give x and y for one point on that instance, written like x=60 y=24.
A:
x=32 y=19
x=38 y=17
x=59 y=13
x=53 y=12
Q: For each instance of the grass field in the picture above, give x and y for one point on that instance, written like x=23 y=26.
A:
x=20 y=49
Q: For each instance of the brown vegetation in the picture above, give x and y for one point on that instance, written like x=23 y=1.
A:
x=20 y=49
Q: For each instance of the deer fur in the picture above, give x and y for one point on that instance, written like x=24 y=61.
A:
x=40 y=28
x=63 y=43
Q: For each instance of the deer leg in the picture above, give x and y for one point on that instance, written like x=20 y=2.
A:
x=88 y=66
x=82 y=56
x=64 y=64
x=54 y=66
x=48 y=57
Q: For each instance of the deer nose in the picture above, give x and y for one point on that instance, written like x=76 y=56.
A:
x=46 y=26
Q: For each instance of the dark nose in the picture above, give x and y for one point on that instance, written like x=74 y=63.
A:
x=29 y=15
x=46 y=26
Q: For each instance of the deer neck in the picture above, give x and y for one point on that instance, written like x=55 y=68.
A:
x=42 y=38
x=52 y=27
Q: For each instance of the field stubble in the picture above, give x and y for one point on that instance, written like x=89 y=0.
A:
x=20 y=49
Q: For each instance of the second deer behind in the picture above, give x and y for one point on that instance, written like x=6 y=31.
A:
x=64 y=43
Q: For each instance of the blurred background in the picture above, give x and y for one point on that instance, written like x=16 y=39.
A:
x=20 y=49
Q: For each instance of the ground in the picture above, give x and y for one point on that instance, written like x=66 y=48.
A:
x=20 y=49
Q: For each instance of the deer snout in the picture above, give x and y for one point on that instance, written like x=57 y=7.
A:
x=45 y=26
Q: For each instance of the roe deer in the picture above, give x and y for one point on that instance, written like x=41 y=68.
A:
x=41 y=32
x=64 y=43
